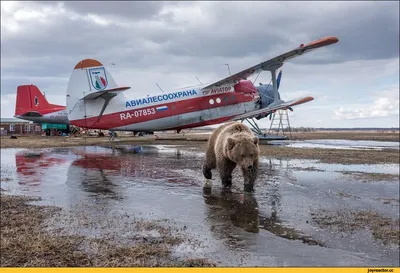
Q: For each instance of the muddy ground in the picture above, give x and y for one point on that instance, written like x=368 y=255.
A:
x=25 y=242
x=340 y=156
x=152 y=208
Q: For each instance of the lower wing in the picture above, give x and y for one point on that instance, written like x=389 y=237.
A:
x=272 y=108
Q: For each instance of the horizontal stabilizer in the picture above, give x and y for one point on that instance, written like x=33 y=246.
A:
x=31 y=114
x=105 y=93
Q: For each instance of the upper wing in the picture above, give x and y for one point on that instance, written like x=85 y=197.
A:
x=275 y=62
x=283 y=105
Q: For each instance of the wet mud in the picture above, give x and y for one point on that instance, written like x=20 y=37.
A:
x=283 y=223
x=342 y=144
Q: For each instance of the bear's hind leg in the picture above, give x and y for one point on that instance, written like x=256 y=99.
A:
x=209 y=163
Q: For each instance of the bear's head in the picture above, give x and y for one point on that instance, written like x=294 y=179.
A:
x=243 y=150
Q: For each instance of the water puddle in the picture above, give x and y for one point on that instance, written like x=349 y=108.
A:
x=272 y=227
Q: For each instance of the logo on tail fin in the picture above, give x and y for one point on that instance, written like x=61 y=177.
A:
x=98 y=78
x=36 y=101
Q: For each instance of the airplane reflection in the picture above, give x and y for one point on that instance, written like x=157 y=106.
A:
x=30 y=166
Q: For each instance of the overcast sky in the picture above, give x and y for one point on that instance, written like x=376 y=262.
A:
x=355 y=82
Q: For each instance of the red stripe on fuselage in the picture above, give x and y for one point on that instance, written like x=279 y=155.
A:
x=174 y=108
x=203 y=123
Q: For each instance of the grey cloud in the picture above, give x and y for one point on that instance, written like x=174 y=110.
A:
x=50 y=86
x=365 y=30
x=131 y=10
x=229 y=44
x=240 y=34
x=368 y=31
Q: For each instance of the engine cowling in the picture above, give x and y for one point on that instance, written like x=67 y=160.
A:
x=245 y=87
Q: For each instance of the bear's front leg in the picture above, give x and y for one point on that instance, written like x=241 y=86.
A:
x=250 y=176
x=207 y=171
x=225 y=168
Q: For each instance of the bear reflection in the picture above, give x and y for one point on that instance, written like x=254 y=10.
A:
x=241 y=209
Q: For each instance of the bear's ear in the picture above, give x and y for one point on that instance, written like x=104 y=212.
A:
x=231 y=143
x=255 y=140
x=238 y=128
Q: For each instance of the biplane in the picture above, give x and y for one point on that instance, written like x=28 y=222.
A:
x=96 y=101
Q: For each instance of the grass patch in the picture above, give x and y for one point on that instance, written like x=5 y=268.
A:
x=308 y=169
x=5 y=179
x=332 y=156
x=27 y=242
x=372 y=177
x=343 y=220
x=347 y=195
x=354 y=135
x=389 y=201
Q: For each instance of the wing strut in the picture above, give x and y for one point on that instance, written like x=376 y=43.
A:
x=254 y=124
x=275 y=83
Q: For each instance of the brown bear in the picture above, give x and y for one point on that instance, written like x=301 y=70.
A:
x=232 y=144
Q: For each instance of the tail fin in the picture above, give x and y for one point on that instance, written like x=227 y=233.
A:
x=89 y=81
x=30 y=99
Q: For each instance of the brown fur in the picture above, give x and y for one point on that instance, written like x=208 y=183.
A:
x=230 y=145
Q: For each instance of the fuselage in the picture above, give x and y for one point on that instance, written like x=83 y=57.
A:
x=175 y=110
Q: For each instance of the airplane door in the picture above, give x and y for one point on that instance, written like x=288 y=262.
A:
x=213 y=108
x=229 y=101
x=175 y=117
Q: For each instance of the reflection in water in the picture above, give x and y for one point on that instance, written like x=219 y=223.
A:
x=29 y=166
x=96 y=183
x=94 y=169
x=99 y=170
x=241 y=210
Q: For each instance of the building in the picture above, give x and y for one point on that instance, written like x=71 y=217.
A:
x=10 y=126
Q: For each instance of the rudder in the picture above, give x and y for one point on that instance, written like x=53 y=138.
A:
x=89 y=80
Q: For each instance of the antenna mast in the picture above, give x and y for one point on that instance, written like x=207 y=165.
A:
x=160 y=88
x=199 y=80
x=229 y=69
